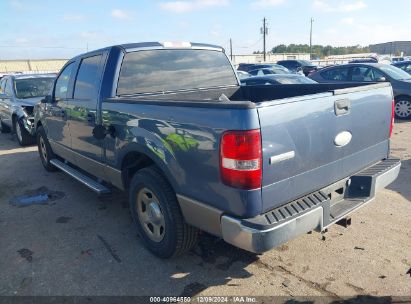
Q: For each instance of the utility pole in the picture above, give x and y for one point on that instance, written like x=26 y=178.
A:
x=264 y=32
x=231 y=49
x=311 y=36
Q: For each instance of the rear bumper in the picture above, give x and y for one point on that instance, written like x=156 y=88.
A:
x=315 y=211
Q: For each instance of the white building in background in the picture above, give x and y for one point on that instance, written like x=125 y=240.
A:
x=270 y=58
x=342 y=59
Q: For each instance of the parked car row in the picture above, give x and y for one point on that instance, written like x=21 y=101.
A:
x=266 y=74
x=404 y=65
x=19 y=94
x=304 y=67
x=372 y=72
x=277 y=79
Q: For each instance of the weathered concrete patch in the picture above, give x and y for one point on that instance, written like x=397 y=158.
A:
x=39 y=196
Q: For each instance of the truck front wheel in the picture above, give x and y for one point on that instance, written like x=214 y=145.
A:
x=157 y=215
x=45 y=151
x=23 y=136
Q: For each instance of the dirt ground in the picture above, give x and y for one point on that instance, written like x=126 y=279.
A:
x=76 y=243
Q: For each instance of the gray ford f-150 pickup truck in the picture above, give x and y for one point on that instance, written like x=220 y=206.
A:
x=255 y=165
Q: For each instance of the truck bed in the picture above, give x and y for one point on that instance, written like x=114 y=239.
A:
x=297 y=119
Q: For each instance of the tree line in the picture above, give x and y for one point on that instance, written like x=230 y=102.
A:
x=320 y=51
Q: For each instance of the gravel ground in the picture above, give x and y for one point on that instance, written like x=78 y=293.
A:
x=77 y=243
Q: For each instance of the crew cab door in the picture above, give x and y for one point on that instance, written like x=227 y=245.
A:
x=55 y=112
x=83 y=113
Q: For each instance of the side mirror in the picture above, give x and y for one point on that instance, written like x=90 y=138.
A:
x=381 y=79
x=46 y=99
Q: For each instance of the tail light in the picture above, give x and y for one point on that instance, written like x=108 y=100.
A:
x=392 y=117
x=240 y=159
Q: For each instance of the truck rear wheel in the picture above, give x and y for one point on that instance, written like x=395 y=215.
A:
x=157 y=215
x=45 y=151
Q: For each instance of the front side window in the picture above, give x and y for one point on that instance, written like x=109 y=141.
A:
x=33 y=87
x=87 y=78
x=62 y=83
x=172 y=70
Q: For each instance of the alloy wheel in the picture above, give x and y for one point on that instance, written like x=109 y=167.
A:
x=150 y=215
x=403 y=108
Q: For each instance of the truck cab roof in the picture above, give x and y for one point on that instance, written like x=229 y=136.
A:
x=131 y=47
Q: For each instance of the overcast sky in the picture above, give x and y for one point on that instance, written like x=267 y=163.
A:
x=53 y=29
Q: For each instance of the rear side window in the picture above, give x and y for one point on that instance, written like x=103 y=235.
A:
x=88 y=78
x=340 y=74
x=171 y=70
x=62 y=83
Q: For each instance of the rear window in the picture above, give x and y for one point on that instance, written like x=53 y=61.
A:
x=171 y=70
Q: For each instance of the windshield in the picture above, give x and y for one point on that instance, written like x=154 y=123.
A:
x=284 y=79
x=32 y=87
x=395 y=72
x=171 y=70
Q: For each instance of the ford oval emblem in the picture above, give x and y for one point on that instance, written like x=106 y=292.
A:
x=342 y=139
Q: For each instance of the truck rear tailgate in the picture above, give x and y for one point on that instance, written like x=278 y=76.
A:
x=312 y=141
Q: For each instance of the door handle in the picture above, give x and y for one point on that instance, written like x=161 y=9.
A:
x=342 y=106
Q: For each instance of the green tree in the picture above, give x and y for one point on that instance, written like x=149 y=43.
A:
x=320 y=50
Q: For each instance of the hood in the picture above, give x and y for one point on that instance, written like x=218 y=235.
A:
x=29 y=101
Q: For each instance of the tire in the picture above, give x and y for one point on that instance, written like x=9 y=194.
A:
x=403 y=108
x=23 y=136
x=45 y=151
x=154 y=202
x=4 y=128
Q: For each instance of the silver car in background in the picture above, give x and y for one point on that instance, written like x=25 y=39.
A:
x=18 y=95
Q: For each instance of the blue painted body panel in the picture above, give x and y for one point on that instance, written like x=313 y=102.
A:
x=184 y=142
x=309 y=127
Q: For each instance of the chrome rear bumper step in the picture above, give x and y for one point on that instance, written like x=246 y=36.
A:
x=84 y=179
x=316 y=211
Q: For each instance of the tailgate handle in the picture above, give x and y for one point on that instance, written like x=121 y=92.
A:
x=342 y=106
